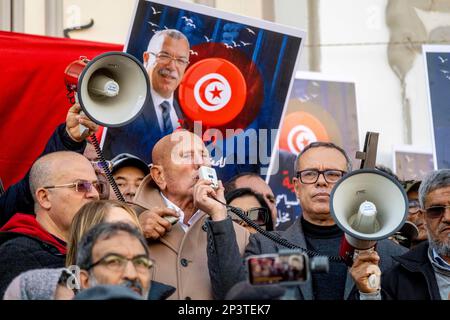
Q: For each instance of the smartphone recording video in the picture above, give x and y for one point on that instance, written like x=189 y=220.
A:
x=277 y=268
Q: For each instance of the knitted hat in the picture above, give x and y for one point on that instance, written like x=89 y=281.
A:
x=38 y=284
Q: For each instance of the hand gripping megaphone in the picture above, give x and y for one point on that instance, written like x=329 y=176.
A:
x=112 y=88
x=368 y=205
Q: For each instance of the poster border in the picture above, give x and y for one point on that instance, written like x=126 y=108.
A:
x=425 y=50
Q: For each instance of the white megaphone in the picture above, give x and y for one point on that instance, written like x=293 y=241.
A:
x=112 y=88
x=368 y=205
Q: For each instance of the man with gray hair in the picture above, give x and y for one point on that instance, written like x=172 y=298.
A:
x=104 y=254
x=166 y=60
x=424 y=272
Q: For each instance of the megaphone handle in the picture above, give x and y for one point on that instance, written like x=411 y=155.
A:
x=83 y=129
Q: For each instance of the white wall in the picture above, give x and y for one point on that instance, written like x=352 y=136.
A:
x=112 y=19
x=34 y=16
x=378 y=89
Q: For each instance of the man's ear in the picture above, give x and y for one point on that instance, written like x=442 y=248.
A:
x=84 y=279
x=145 y=57
x=296 y=183
x=43 y=197
x=157 y=173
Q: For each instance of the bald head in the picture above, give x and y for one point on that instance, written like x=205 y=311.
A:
x=176 y=160
x=54 y=166
x=171 y=147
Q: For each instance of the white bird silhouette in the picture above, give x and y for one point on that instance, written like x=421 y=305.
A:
x=251 y=31
x=153 y=24
x=155 y=12
x=194 y=53
x=442 y=59
x=207 y=39
x=191 y=25
x=188 y=20
x=235 y=44
x=228 y=46
x=445 y=71
x=246 y=43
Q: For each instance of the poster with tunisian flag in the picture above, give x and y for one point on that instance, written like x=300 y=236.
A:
x=233 y=91
x=33 y=98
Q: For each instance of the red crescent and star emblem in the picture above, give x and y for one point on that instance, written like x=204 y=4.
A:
x=213 y=91
x=300 y=129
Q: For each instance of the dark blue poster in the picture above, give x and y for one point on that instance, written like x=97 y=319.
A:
x=438 y=69
x=320 y=108
x=232 y=92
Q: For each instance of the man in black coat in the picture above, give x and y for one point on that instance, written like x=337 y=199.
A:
x=319 y=167
x=424 y=272
x=60 y=183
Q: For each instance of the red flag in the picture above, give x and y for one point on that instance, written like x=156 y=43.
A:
x=33 y=95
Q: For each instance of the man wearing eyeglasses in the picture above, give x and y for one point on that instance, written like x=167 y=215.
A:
x=165 y=60
x=415 y=215
x=318 y=167
x=61 y=183
x=115 y=254
x=423 y=273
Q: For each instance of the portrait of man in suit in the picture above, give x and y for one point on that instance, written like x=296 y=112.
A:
x=166 y=60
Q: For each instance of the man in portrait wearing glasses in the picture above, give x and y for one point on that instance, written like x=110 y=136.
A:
x=318 y=167
x=115 y=254
x=61 y=183
x=165 y=60
x=423 y=273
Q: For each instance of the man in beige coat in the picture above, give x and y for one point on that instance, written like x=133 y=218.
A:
x=179 y=250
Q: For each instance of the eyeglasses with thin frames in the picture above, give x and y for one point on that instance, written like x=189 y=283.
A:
x=99 y=166
x=310 y=176
x=82 y=186
x=413 y=206
x=118 y=263
x=167 y=58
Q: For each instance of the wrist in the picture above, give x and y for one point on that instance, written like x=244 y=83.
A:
x=71 y=137
x=376 y=295
x=219 y=214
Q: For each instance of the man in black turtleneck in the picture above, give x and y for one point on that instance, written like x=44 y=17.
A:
x=318 y=167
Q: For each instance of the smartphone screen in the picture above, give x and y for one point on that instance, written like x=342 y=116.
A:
x=275 y=269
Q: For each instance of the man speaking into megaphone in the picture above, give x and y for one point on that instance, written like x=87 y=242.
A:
x=318 y=168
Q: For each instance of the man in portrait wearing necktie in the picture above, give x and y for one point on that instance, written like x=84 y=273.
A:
x=165 y=60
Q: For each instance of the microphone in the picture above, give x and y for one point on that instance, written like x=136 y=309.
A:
x=365 y=220
x=103 y=86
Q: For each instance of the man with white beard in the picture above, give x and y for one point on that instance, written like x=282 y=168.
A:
x=166 y=60
x=423 y=273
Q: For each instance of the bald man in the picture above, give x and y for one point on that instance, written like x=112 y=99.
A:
x=179 y=250
x=60 y=182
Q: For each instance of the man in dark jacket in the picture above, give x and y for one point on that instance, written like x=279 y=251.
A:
x=424 y=272
x=60 y=182
x=319 y=167
x=66 y=137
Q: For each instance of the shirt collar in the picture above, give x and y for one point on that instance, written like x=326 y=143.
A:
x=157 y=99
x=439 y=261
x=196 y=216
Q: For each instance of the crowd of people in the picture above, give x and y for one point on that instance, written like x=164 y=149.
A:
x=64 y=235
